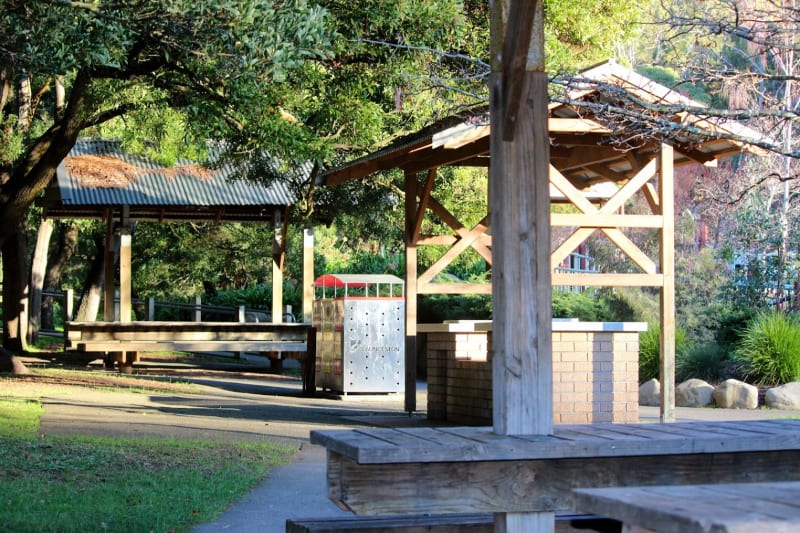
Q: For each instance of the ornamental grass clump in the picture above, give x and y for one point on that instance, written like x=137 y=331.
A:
x=768 y=353
x=650 y=350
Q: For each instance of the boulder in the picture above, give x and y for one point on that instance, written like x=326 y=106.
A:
x=650 y=393
x=735 y=394
x=784 y=397
x=694 y=393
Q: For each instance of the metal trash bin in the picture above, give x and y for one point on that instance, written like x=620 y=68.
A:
x=359 y=319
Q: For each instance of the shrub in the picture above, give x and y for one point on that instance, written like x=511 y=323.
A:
x=709 y=362
x=584 y=306
x=768 y=352
x=732 y=323
x=650 y=350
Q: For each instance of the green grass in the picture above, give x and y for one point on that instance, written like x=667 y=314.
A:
x=86 y=484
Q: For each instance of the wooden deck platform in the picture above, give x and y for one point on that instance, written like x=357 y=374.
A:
x=717 y=508
x=469 y=469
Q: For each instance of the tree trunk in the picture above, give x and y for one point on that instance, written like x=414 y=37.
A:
x=14 y=303
x=67 y=243
x=93 y=288
x=38 y=264
x=30 y=175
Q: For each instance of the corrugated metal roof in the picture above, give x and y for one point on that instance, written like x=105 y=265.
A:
x=186 y=184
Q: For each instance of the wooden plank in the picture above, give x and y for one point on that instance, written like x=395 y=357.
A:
x=630 y=188
x=462 y=244
x=605 y=221
x=450 y=523
x=192 y=336
x=742 y=507
x=667 y=294
x=469 y=523
x=534 y=485
x=189 y=346
x=607 y=280
x=569 y=441
x=631 y=250
x=455 y=288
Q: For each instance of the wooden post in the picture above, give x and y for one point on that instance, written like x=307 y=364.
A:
x=411 y=294
x=69 y=303
x=667 y=334
x=108 y=266
x=198 y=309
x=277 y=266
x=240 y=316
x=125 y=306
x=520 y=220
x=308 y=273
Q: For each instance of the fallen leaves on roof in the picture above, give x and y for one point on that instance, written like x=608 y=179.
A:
x=103 y=171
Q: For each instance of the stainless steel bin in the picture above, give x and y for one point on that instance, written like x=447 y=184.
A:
x=359 y=320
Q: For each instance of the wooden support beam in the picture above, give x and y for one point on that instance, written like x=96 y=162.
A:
x=125 y=307
x=411 y=187
x=425 y=197
x=667 y=294
x=479 y=245
x=109 y=278
x=516 y=61
x=278 y=254
x=308 y=273
x=530 y=486
x=520 y=207
x=606 y=280
x=465 y=242
x=605 y=221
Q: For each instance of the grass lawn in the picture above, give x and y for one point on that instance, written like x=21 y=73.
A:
x=85 y=484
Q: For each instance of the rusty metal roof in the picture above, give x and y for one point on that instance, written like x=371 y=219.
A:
x=98 y=175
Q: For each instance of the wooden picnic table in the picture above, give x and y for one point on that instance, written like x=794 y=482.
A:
x=291 y=340
x=718 y=508
x=472 y=469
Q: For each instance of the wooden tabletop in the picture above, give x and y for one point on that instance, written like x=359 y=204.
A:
x=720 y=508
x=464 y=444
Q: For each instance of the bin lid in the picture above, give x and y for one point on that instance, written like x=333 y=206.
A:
x=355 y=280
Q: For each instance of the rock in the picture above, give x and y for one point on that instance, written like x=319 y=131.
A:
x=735 y=394
x=694 y=393
x=784 y=397
x=650 y=393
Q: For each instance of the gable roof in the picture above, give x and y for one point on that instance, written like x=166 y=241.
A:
x=98 y=175
x=584 y=147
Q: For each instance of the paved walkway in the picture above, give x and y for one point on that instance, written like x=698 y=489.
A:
x=255 y=407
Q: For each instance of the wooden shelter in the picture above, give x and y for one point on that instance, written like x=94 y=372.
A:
x=585 y=150
x=521 y=171
x=98 y=180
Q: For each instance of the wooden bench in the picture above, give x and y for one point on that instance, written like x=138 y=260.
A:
x=719 y=508
x=292 y=340
x=470 y=469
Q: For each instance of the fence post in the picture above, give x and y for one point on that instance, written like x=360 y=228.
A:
x=240 y=314
x=198 y=309
x=68 y=303
x=151 y=308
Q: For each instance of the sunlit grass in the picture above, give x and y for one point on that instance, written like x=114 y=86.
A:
x=86 y=484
